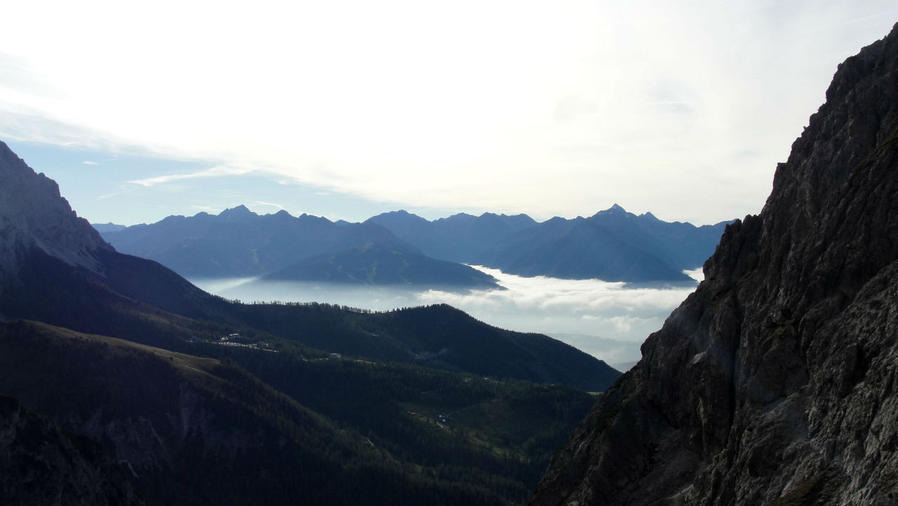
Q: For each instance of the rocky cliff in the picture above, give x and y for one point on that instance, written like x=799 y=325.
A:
x=33 y=214
x=775 y=382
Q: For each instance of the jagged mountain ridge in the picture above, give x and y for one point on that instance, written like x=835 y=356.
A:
x=458 y=238
x=240 y=243
x=773 y=383
x=613 y=245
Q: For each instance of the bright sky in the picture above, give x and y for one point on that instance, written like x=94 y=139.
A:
x=346 y=109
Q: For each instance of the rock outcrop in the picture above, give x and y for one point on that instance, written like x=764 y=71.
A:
x=33 y=214
x=776 y=382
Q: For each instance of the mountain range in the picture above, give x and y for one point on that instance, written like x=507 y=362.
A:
x=399 y=248
x=128 y=385
x=775 y=381
x=240 y=243
x=613 y=245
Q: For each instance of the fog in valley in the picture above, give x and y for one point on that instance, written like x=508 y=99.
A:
x=607 y=320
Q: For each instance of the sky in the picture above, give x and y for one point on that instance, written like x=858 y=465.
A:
x=346 y=109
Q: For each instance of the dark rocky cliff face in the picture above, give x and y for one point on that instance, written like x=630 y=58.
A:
x=776 y=382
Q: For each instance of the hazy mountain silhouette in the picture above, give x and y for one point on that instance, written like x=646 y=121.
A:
x=374 y=264
x=613 y=245
x=401 y=248
x=239 y=243
x=458 y=238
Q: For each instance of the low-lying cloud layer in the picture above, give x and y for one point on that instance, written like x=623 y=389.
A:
x=607 y=320
x=571 y=310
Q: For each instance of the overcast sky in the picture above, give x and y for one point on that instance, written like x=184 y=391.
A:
x=346 y=109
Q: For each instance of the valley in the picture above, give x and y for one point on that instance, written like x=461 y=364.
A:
x=224 y=401
x=369 y=254
x=606 y=320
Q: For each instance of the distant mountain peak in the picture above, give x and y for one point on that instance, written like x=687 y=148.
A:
x=460 y=216
x=239 y=211
x=312 y=218
x=614 y=210
x=400 y=216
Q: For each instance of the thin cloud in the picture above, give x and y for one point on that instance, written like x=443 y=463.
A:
x=109 y=195
x=274 y=205
x=218 y=171
x=89 y=162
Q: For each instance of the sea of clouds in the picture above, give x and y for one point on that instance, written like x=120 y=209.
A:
x=608 y=320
